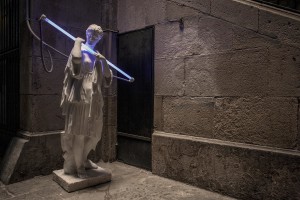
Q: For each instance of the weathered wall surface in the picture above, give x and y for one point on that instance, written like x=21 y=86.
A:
x=41 y=119
x=225 y=70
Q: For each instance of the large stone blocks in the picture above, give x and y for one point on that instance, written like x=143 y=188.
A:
x=108 y=14
x=281 y=26
x=41 y=113
x=248 y=39
x=268 y=121
x=158 y=114
x=236 y=12
x=269 y=71
x=110 y=110
x=191 y=116
x=135 y=14
x=203 y=5
x=239 y=73
x=298 y=140
x=241 y=171
x=35 y=80
x=47 y=83
x=169 y=77
x=198 y=35
x=106 y=148
x=284 y=71
x=172 y=41
x=56 y=10
x=215 y=35
x=176 y=11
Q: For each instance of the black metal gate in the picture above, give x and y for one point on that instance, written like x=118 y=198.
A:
x=135 y=100
x=9 y=68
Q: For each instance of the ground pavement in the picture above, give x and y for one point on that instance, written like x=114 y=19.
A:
x=128 y=183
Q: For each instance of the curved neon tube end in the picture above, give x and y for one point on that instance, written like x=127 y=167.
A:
x=131 y=80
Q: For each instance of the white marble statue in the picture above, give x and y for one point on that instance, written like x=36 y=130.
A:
x=82 y=103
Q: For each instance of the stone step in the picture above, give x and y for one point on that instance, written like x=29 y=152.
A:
x=239 y=170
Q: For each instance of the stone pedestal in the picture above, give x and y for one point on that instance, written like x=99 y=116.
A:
x=72 y=183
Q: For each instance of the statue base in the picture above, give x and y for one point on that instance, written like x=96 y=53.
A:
x=72 y=183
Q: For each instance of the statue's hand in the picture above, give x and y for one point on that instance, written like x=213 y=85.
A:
x=76 y=53
x=99 y=56
x=79 y=40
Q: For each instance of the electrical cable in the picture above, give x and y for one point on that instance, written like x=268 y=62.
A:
x=44 y=43
x=36 y=37
x=41 y=51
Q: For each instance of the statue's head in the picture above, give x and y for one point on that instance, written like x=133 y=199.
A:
x=94 y=33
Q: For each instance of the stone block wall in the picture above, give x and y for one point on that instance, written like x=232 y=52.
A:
x=228 y=71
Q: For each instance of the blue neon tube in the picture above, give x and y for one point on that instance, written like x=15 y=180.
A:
x=43 y=17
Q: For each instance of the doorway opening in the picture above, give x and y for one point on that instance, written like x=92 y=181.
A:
x=135 y=100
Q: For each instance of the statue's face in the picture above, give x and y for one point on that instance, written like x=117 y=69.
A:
x=93 y=37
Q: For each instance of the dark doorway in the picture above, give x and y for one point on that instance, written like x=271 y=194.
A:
x=135 y=100
x=9 y=72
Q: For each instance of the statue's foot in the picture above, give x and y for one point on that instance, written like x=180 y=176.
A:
x=90 y=165
x=69 y=169
x=69 y=172
x=81 y=173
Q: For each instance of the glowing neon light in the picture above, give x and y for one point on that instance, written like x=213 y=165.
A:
x=43 y=17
